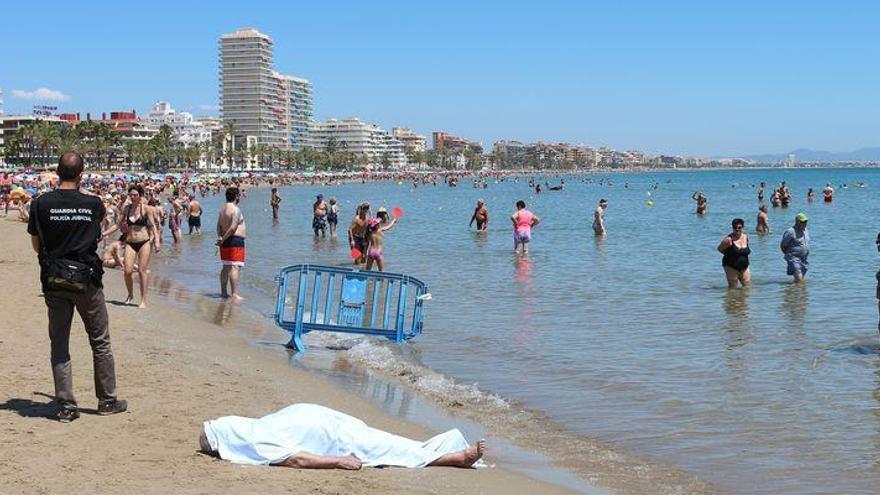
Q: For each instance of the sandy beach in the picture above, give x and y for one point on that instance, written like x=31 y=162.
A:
x=175 y=372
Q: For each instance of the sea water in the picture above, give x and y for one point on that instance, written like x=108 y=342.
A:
x=632 y=339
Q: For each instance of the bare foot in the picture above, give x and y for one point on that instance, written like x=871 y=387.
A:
x=142 y=305
x=474 y=453
x=236 y=297
x=129 y=299
x=463 y=458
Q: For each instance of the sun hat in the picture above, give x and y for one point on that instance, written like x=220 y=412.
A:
x=801 y=217
x=381 y=210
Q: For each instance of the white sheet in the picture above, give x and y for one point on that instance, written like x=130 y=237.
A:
x=323 y=431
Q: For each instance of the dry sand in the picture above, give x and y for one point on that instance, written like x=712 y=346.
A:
x=175 y=372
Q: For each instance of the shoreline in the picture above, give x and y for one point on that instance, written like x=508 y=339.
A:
x=175 y=373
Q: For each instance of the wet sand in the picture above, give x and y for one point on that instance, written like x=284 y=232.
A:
x=175 y=371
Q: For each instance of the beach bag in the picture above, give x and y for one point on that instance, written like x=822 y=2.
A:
x=67 y=275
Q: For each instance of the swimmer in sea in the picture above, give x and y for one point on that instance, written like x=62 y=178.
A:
x=702 y=202
x=828 y=193
x=763 y=224
x=481 y=216
x=376 y=239
x=599 y=217
x=736 y=251
x=523 y=222
x=810 y=195
x=761 y=192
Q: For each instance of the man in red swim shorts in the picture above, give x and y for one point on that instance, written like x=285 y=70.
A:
x=230 y=237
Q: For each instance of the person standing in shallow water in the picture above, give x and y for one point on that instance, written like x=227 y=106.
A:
x=523 y=222
x=231 y=234
x=763 y=225
x=275 y=203
x=481 y=216
x=795 y=247
x=736 y=251
x=877 y=276
x=599 y=217
x=319 y=221
x=702 y=202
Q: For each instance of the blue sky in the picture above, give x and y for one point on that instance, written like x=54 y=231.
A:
x=706 y=78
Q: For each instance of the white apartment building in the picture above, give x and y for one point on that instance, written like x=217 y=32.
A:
x=187 y=130
x=260 y=103
x=370 y=141
x=410 y=140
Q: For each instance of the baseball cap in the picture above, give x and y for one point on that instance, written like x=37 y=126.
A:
x=801 y=217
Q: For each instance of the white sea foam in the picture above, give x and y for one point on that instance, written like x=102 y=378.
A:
x=385 y=360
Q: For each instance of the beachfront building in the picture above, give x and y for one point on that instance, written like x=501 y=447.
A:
x=27 y=154
x=443 y=141
x=261 y=105
x=187 y=131
x=369 y=143
x=411 y=141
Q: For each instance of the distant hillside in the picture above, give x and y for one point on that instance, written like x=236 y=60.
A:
x=806 y=155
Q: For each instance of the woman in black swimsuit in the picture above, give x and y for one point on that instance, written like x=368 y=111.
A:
x=138 y=225
x=735 y=248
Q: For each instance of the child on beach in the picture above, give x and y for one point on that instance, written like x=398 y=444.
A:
x=376 y=229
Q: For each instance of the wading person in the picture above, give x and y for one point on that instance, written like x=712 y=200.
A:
x=275 y=202
x=357 y=232
x=231 y=233
x=599 y=217
x=194 y=219
x=139 y=224
x=763 y=224
x=795 y=247
x=481 y=216
x=376 y=228
x=523 y=221
x=319 y=220
x=65 y=227
x=736 y=251
x=332 y=217
x=702 y=202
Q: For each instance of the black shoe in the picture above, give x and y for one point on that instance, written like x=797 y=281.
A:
x=112 y=407
x=65 y=415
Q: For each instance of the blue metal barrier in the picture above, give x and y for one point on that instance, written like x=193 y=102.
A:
x=334 y=299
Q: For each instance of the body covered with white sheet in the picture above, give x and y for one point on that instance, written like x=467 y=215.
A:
x=322 y=431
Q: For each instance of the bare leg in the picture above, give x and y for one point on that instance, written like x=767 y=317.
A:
x=224 y=280
x=128 y=271
x=144 y=272
x=463 y=458
x=369 y=263
x=233 y=282
x=732 y=277
x=380 y=263
x=745 y=278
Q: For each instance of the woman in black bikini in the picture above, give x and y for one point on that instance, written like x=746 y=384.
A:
x=138 y=224
x=735 y=248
